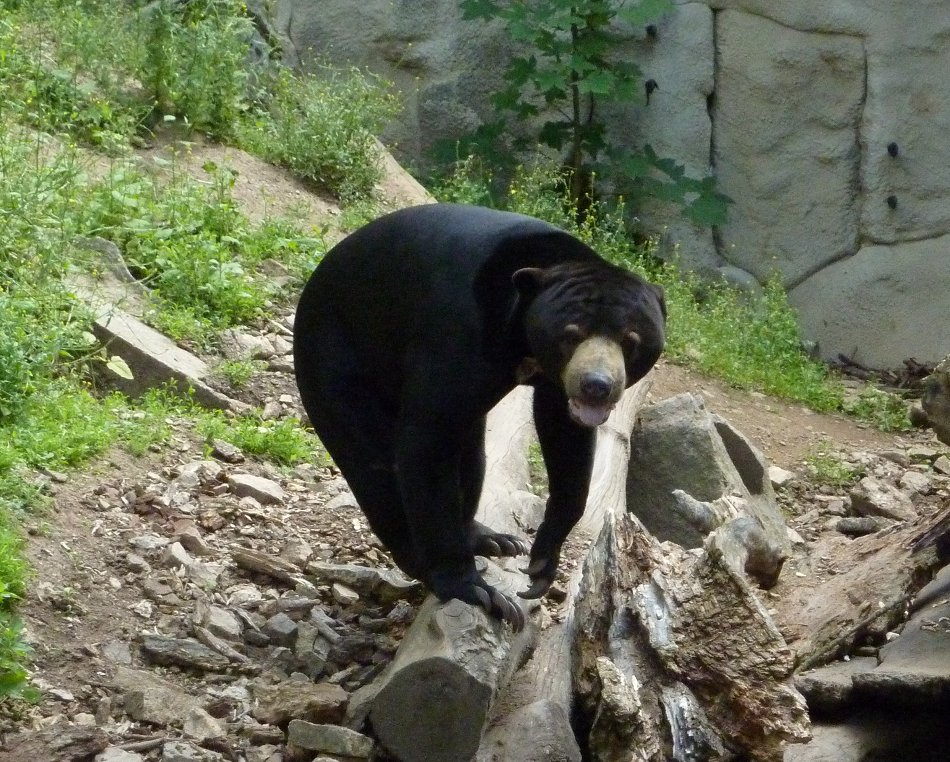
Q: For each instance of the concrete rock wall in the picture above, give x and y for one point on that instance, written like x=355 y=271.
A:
x=826 y=121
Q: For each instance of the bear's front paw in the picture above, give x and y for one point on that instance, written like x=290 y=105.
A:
x=479 y=593
x=486 y=542
x=541 y=571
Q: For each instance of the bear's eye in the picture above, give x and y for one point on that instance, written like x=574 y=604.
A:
x=631 y=339
x=571 y=336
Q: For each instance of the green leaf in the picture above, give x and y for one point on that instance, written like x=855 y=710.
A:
x=549 y=79
x=120 y=367
x=555 y=134
x=598 y=83
x=708 y=209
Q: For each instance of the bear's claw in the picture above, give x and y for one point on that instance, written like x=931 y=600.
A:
x=501 y=607
x=538 y=588
x=485 y=542
x=541 y=571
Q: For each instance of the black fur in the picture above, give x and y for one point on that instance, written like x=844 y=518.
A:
x=408 y=333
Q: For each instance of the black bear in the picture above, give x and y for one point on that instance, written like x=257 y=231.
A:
x=413 y=327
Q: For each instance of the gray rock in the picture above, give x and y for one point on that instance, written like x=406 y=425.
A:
x=175 y=556
x=153 y=359
x=220 y=621
x=149 y=698
x=148 y=542
x=882 y=734
x=844 y=304
x=873 y=497
x=226 y=451
x=345 y=596
x=281 y=629
x=237 y=345
x=915 y=667
x=297 y=551
x=265 y=491
x=915 y=483
x=182 y=751
x=779 y=477
x=312 y=649
x=115 y=754
x=201 y=726
x=182 y=652
x=116 y=652
x=764 y=84
x=277 y=704
x=678 y=445
x=858 y=526
x=329 y=739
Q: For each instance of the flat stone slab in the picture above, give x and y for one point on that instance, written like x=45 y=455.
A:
x=915 y=667
x=831 y=688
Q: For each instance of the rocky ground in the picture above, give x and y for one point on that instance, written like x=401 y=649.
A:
x=196 y=604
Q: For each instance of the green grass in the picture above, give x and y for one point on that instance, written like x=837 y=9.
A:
x=826 y=467
x=62 y=90
x=282 y=441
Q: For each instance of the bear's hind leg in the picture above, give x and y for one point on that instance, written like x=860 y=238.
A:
x=357 y=430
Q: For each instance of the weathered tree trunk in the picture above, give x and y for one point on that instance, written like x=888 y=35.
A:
x=432 y=702
x=676 y=658
x=434 y=699
x=860 y=588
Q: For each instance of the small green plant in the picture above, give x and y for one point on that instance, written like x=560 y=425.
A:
x=283 y=441
x=885 y=410
x=537 y=473
x=568 y=72
x=195 y=62
x=322 y=127
x=238 y=373
x=828 y=468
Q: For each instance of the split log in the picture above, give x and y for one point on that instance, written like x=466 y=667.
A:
x=433 y=701
x=676 y=658
x=531 y=722
x=863 y=591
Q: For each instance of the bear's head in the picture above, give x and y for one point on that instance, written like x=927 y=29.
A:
x=594 y=328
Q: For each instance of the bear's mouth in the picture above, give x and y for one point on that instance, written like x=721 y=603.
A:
x=587 y=414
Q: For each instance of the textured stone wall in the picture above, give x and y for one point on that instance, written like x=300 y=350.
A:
x=792 y=105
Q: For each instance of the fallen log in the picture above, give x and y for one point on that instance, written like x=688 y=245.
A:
x=434 y=699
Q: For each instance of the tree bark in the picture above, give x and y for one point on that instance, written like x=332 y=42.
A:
x=676 y=658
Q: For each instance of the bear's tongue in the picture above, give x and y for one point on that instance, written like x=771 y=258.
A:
x=586 y=414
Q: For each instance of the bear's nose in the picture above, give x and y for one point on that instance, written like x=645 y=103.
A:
x=595 y=386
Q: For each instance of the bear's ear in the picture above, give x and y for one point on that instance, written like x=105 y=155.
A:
x=658 y=290
x=528 y=281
